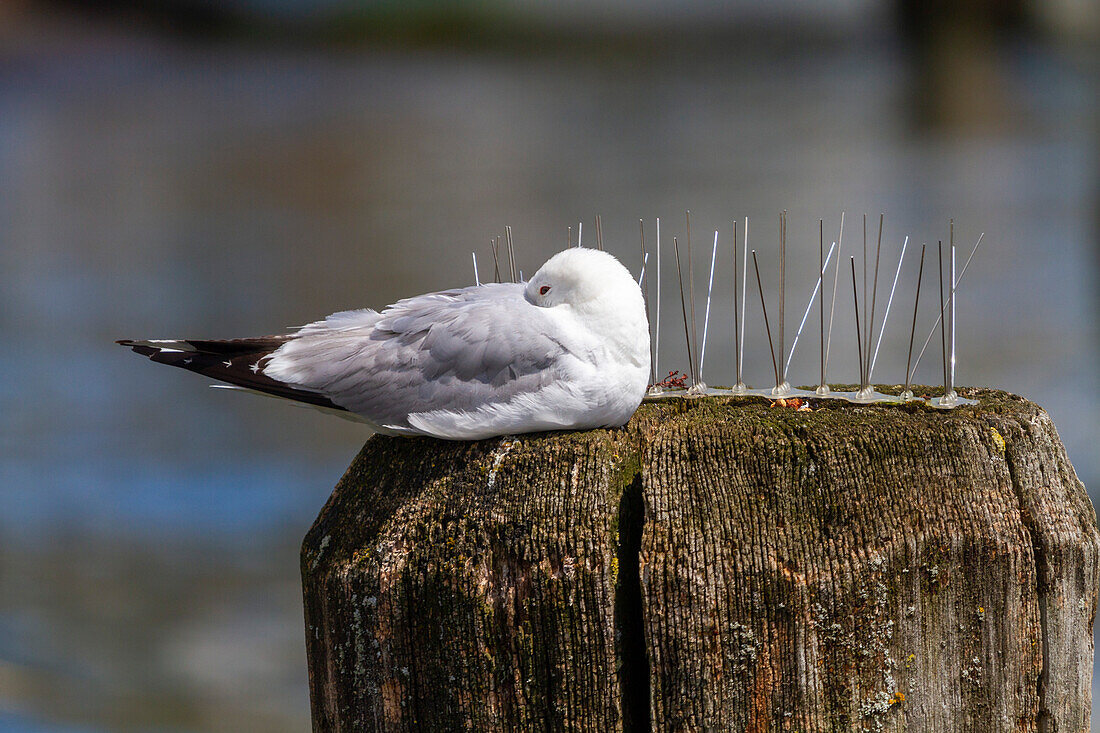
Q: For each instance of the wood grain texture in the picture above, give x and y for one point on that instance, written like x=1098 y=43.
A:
x=717 y=564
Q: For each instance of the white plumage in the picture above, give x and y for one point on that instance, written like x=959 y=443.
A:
x=567 y=350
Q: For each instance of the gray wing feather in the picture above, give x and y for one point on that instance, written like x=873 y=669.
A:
x=454 y=350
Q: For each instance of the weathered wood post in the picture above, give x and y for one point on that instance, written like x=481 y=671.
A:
x=719 y=563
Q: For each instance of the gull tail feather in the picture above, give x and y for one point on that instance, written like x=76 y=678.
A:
x=238 y=362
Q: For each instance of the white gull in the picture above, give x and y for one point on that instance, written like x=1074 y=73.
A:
x=567 y=350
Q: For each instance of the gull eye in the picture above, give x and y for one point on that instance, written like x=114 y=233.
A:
x=544 y=290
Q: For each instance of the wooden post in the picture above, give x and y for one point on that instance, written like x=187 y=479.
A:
x=719 y=563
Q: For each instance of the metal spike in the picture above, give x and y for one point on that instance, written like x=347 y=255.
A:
x=887 y=314
x=865 y=298
x=806 y=313
x=657 y=316
x=941 y=314
x=736 y=337
x=859 y=332
x=767 y=327
x=949 y=396
x=580 y=233
x=782 y=295
x=744 y=295
x=832 y=303
x=495 y=244
x=599 y=233
x=683 y=307
x=511 y=253
x=874 y=297
x=907 y=393
x=943 y=330
x=477 y=280
x=691 y=293
x=706 y=315
x=569 y=237
x=822 y=388
x=645 y=299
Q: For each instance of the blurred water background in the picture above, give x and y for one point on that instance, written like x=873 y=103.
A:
x=225 y=169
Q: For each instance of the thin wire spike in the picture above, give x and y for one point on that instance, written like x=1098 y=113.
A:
x=855 y=299
x=874 y=298
x=943 y=332
x=691 y=295
x=832 y=303
x=569 y=237
x=706 y=315
x=863 y=337
x=736 y=337
x=599 y=233
x=767 y=327
x=580 y=233
x=821 y=295
x=913 y=329
x=683 y=307
x=645 y=299
x=886 y=315
x=477 y=279
x=657 y=317
x=782 y=293
x=806 y=314
x=951 y=384
x=511 y=253
x=958 y=280
x=495 y=244
x=744 y=295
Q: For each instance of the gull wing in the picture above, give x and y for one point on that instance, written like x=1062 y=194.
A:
x=459 y=364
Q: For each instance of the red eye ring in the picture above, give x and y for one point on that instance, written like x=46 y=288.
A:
x=544 y=290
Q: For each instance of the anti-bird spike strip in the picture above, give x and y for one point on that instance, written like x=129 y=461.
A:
x=864 y=317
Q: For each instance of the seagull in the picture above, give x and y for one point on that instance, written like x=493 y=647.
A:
x=566 y=350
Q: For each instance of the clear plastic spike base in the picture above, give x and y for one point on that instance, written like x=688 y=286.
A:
x=860 y=396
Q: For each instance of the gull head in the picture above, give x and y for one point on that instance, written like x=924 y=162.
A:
x=595 y=289
x=584 y=279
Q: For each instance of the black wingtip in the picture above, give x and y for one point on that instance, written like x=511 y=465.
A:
x=235 y=361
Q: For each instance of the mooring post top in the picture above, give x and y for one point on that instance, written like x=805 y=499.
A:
x=721 y=560
x=425 y=462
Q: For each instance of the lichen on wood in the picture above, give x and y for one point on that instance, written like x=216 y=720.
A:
x=718 y=563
